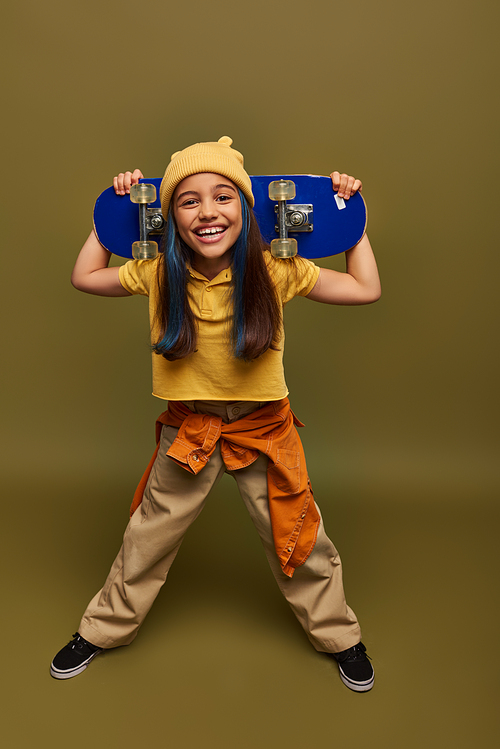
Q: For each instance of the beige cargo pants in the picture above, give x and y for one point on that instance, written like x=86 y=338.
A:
x=172 y=500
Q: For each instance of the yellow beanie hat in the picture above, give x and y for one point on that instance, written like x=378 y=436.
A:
x=218 y=158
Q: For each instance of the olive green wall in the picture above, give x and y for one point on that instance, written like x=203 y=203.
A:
x=400 y=398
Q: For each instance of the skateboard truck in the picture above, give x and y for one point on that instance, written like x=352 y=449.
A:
x=150 y=220
x=294 y=218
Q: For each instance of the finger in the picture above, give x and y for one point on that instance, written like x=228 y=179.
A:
x=136 y=176
x=123 y=181
x=349 y=187
x=335 y=176
x=127 y=181
x=353 y=185
x=131 y=178
x=119 y=183
x=343 y=186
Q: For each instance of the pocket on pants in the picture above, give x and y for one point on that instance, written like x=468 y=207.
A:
x=168 y=435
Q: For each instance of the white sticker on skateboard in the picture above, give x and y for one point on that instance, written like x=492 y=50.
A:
x=340 y=202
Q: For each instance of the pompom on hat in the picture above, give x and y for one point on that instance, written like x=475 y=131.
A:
x=217 y=158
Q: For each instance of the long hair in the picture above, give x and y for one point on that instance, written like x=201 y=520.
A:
x=253 y=305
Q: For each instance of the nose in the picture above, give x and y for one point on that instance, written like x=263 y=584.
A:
x=208 y=210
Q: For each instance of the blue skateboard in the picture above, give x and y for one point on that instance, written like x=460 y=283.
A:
x=310 y=213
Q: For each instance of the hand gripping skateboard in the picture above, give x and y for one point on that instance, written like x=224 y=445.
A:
x=296 y=213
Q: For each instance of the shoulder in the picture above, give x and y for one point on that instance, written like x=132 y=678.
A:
x=294 y=276
x=136 y=276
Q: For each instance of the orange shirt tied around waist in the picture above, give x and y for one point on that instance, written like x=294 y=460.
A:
x=269 y=430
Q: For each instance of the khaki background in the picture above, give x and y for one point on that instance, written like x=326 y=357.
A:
x=400 y=398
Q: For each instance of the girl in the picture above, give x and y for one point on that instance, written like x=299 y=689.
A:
x=216 y=296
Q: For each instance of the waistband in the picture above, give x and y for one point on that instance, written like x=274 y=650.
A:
x=228 y=411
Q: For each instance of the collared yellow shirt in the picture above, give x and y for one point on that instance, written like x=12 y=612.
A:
x=212 y=372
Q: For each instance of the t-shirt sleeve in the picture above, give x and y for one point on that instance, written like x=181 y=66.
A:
x=136 y=276
x=295 y=276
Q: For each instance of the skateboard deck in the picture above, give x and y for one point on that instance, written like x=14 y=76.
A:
x=332 y=225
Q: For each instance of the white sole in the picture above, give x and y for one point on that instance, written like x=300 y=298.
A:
x=57 y=674
x=357 y=686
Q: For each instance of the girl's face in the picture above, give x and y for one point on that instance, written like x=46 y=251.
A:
x=207 y=211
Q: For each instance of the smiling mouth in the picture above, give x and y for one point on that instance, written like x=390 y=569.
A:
x=210 y=231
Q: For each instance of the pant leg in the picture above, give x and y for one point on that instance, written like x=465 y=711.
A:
x=172 y=500
x=315 y=592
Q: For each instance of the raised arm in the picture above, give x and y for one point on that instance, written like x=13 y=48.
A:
x=91 y=273
x=360 y=284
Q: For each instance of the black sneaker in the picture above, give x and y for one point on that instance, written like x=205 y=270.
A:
x=356 y=671
x=73 y=658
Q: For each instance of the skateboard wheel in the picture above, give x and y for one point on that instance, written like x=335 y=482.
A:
x=144 y=250
x=282 y=189
x=284 y=248
x=143 y=193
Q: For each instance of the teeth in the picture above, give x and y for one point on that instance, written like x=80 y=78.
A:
x=213 y=230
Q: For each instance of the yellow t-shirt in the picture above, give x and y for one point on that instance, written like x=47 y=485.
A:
x=212 y=372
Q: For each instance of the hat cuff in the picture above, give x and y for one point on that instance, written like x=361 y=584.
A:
x=200 y=163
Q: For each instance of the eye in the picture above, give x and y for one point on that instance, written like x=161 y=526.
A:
x=188 y=203
x=223 y=198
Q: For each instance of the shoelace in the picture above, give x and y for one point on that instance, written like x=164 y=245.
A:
x=79 y=642
x=356 y=653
